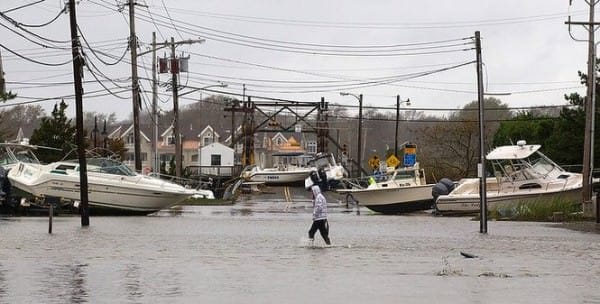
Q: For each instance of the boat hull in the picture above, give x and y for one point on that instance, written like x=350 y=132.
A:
x=280 y=177
x=469 y=204
x=392 y=200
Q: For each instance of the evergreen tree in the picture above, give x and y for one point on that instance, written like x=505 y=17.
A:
x=172 y=166
x=55 y=131
x=163 y=167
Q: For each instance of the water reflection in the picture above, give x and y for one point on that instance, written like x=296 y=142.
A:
x=132 y=282
x=252 y=253
x=3 y=287
x=64 y=281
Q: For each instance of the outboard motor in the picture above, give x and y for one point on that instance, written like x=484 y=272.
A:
x=312 y=179
x=324 y=183
x=443 y=187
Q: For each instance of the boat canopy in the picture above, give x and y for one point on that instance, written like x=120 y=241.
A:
x=512 y=152
x=291 y=154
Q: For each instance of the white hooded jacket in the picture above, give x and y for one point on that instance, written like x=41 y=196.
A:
x=319 y=204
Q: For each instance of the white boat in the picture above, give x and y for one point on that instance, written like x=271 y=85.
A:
x=522 y=174
x=283 y=174
x=404 y=190
x=326 y=162
x=292 y=170
x=112 y=186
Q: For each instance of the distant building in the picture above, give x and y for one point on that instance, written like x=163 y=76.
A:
x=126 y=134
x=218 y=157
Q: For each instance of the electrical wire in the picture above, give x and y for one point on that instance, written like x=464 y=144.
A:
x=64 y=9
x=33 y=60
x=118 y=60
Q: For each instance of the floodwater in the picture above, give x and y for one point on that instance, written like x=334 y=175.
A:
x=255 y=252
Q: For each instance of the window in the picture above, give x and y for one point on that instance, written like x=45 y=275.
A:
x=170 y=140
x=195 y=158
x=144 y=156
x=130 y=138
x=166 y=157
x=207 y=141
x=311 y=147
x=215 y=159
x=130 y=157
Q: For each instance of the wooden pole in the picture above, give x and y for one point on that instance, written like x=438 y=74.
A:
x=50 y=215
x=135 y=88
x=79 y=137
x=482 y=170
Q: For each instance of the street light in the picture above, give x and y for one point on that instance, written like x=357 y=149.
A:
x=360 y=100
x=398 y=102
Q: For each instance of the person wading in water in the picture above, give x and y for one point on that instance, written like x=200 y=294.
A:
x=319 y=212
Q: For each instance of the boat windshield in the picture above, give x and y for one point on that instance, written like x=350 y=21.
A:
x=14 y=154
x=405 y=175
x=535 y=166
x=541 y=164
x=322 y=161
x=109 y=166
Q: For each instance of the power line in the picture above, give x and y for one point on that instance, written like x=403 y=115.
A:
x=373 y=25
x=33 y=60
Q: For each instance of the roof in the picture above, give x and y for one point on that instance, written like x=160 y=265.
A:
x=512 y=152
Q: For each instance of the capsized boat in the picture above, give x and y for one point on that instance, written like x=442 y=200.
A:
x=522 y=174
x=401 y=191
x=113 y=187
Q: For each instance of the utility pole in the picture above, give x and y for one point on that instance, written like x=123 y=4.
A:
x=398 y=102
x=79 y=137
x=155 y=165
x=135 y=88
x=481 y=170
x=588 y=141
x=397 y=121
x=174 y=73
x=174 y=69
x=2 y=81
x=360 y=118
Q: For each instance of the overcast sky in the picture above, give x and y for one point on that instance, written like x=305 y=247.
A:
x=305 y=50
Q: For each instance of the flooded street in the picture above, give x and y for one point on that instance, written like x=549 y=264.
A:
x=255 y=252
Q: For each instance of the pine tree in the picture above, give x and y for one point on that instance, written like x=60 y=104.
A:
x=55 y=131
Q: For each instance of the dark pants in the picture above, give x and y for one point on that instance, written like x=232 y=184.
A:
x=323 y=227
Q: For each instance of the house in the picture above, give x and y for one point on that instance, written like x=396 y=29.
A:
x=192 y=142
x=126 y=133
x=216 y=159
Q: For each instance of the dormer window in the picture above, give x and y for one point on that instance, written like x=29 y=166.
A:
x=170 y=140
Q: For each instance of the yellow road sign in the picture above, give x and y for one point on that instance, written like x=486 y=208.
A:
x=374 y=162
x=392 y=161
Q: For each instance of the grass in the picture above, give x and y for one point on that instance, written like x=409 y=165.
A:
x=539 y=210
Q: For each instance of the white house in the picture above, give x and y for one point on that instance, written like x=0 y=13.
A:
x=208 y=136
x=216 y=159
